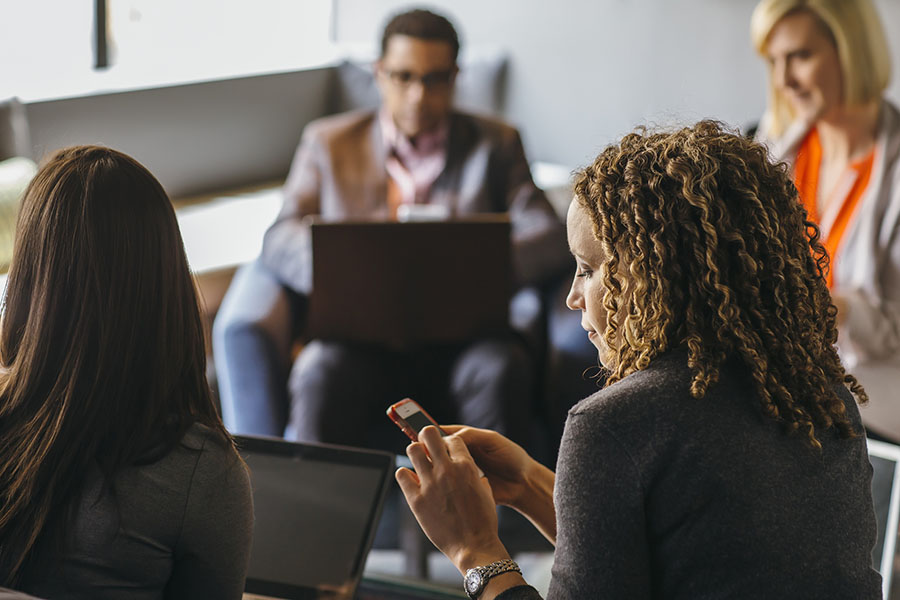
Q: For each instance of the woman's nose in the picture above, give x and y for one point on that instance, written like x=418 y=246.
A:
x=784 y=74
x=575 y=299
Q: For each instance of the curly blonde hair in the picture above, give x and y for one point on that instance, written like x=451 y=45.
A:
x=717 y=255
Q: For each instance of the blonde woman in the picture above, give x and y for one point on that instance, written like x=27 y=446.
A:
x=827 y=117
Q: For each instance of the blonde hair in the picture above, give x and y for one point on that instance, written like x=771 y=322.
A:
x=861 y=46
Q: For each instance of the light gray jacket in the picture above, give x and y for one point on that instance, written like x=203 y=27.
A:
x=867 y=272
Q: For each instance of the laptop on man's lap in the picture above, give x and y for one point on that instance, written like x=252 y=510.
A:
x=407 y=284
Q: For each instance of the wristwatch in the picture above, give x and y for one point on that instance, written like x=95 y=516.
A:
x=477 y=578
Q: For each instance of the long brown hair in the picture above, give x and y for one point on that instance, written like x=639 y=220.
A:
x=721 y=258
x=102 y=342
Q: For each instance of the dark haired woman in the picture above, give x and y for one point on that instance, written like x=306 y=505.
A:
x=725 y=456
x=117 y=478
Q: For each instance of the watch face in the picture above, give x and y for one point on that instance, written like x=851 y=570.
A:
x=473 y=581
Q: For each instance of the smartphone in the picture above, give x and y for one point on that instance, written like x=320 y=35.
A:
x=411 y=418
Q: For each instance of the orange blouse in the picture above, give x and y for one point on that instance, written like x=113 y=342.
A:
x=806 y=178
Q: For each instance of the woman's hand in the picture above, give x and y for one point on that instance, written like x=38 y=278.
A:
x=843 y=306
x=451 y=501
x=516 y=479
x=505 y=464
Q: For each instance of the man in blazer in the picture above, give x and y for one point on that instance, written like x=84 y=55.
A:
x=414 y=150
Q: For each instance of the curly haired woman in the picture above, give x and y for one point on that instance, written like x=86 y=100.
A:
x=725 y=456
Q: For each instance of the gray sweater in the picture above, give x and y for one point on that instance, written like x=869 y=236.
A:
x=660 y=495
x=177 y=528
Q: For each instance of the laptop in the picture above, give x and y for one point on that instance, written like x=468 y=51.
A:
x=885 y=459
x=404 y=284
x=316 y=510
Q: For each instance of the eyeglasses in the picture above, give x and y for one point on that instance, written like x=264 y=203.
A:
x=430 y=81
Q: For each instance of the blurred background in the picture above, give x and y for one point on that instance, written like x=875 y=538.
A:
x=579 y=72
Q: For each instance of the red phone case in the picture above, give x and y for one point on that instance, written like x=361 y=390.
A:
x=409 y=431
x=403 y=425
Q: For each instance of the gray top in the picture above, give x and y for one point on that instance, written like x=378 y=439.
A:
x=177 y=528
x=660 y=495
x=8 y=594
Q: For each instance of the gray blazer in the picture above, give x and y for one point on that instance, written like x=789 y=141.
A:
x=338 y=172
x=867 y=272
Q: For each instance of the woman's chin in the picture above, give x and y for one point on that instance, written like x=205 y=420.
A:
x=607 y=361
x=604 y=355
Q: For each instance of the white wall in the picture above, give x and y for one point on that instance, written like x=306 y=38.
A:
x=584 y=72
x=196 y=138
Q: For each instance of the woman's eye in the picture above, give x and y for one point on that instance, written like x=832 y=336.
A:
x=586 y=273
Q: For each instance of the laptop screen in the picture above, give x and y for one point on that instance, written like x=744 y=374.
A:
x=403 y=284
x=316 y=508
x=885 y=460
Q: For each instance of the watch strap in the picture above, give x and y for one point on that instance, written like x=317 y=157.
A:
x=498 y=567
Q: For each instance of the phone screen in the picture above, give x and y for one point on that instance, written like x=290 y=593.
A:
x=418 y=421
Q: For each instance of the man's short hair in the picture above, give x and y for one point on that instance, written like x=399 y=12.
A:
x=421 y=24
